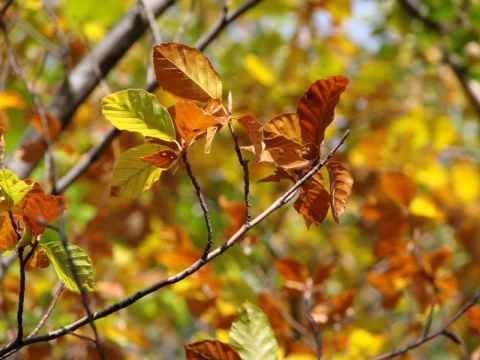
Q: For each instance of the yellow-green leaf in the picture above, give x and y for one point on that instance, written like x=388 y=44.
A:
x=138 y=110
x=12 y=187
x=186 y=73
x=132 y=176
x=83 y=266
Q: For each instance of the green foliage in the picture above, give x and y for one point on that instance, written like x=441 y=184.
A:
x=12 y=187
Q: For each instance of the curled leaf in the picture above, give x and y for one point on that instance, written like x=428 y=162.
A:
x=341 y=183
x=313 y=200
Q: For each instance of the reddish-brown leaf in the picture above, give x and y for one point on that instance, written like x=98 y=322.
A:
x=236 y=212
x=186 y=73
x=398 y=187
x=253 y=128
x=210 y=350
x=283 y=140
x=39 y=208
x=313 y=200
x=342 y=303
x=8 y=237
x=39 y=260
x=52 y=123
x=163 y=159
x=291 y=269
x=322 y=273
x=191 y=121
x=316 y=107
x=341 y=183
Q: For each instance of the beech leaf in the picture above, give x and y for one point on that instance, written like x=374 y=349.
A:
x=251 y=334
x=83 y=266
x=398 y=187
x=341 y=183
x=12 y=187
x=313 y=200
x=186 y=73
x=317 y=105
x=132 y=175
x=138 y=110
x=210 y=350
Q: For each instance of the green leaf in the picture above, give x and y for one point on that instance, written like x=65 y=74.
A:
x=12 y=186
x=251 y=334
x=132 y=175
x=59 y=258
x=138 y=110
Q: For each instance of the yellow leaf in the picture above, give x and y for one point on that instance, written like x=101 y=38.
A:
x=466 y=181
x=424 y=206
x=258 y=70
x=11 y=100
x=363 y=344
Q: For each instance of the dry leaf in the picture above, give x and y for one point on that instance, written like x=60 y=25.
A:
x=53 y=125
x=313 y=200
x=341 y=183
x=398 y=187
x=163 y=159
x=210 y=350
x=186 y=73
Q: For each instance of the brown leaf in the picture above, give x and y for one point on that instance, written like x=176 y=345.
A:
x=186 y=73
x=39 y=260
x=53 y=125
x=317 y=105
x=210 y=350
x=253 y=128
x=8 y=237
x=40 y=208
x=342 y=303
x=283 y=140
x=163 y=159
x=313 y=200
x=322 y=273
x=191 y=121
x=398 y=187
x=236 y=212
x=30 y=151
x=291 y=269
x=341 y=183
x=473 y=318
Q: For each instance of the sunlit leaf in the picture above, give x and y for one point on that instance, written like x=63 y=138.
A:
x=473 y=318
x=210 y=350
x=316 y=107
x=8 y=236
x=398 y=187
x=251 y=334
x=138 y=110
x=191 y=121
x=81 y=262
x=12 y=187
x=253 y=128
x=186 y=73
x=11 y=100
x=39 y=208
x=313 y=200
x=341 y=183
x=132 y=176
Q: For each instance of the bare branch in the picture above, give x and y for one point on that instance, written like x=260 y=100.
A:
x=49 y=311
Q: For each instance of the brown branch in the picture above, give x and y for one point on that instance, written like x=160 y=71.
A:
x=307 y=298
x=181 y=275
x=443 y=331
x=49 y=311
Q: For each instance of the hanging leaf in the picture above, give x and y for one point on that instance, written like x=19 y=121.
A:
x=12 y=187
x=39 y=260
x=138 y=110
x=313 y=200
x=341 y=183
x=192 y=122
x=39 y=208
x=316 y=107
x=210 y=350
x=251 y=334
x=186 y=73
x=83 y=266
x=132 y=175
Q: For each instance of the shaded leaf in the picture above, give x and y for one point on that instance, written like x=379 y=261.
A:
x=313 y=200
x=316 y=107
x=398 y=187
x=186 y=73
x=291 y=269
x=12 y=187
x=251 y=334
x=83 y=266
x=39 y=260
x=341 y=183
x=132 y=175
x=8 y=236
x=191 y=121
x=210 y=350
x=40 y=208
x=138 y=110
x=53 y=125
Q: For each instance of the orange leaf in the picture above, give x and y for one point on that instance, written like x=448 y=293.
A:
x=8 y=237
x=236 y=212
x=52 y=123
x=39 y=260
x=191 y=121
x=398 y=187
x=313 y=200
x=163 y=159
x=317 y=105
x=342 y=303
x=341 y=183
x=322 y=273
x=186 y=73
x=282 y=137
x=291 y=269
x=210 y=350
x=473 y=318
x=253 y=127
x=31 y=151
x=40 y=208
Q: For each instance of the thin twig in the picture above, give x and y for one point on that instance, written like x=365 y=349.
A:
x=49 y=311
x=186 y=20
x=307 y=298
x=151 y=21
x=203 y=205
x=440 y=332
x=428 y=323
